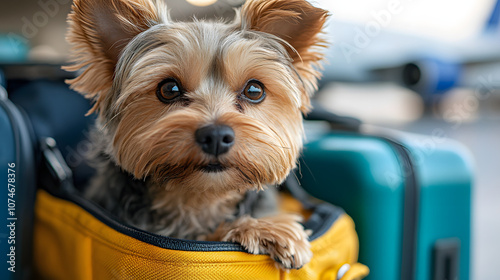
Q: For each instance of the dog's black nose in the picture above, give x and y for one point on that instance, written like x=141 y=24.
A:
x=215 y=139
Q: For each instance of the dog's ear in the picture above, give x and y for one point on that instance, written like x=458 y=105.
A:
x=298 y=24
x=98 y=32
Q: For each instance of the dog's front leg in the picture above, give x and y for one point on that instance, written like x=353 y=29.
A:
x=281 y=236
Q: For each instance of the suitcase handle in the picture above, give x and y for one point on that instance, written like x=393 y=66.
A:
x=337 y=122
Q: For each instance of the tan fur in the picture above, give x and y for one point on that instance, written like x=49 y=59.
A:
x=192 y=214
x=126 y=48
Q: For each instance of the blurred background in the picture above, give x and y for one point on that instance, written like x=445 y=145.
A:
x=418 y=66
x=425 y=66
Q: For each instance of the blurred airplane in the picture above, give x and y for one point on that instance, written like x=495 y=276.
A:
x=369 y=53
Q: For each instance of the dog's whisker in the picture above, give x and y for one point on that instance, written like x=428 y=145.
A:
x=110 y=120
x=117 y=114
x=278 y=136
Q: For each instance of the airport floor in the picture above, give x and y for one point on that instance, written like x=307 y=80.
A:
x=463 y=117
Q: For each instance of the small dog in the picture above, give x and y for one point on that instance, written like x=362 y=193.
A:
x=195 y=117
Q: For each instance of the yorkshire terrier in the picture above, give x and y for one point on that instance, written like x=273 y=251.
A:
x=194 y=117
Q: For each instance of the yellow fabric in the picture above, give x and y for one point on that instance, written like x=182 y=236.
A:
x=70 y=243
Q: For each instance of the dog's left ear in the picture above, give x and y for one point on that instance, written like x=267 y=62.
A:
x=98 y=32
x=298 y=23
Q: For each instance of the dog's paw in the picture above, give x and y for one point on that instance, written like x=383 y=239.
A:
x=281 y=236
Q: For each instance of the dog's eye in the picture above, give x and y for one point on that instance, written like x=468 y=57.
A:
x=254 y=91
x=168 y=91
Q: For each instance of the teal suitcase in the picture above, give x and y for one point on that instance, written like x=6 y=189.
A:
x=409 y=195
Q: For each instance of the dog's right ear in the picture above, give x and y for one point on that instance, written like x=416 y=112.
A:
x=298 y=24
x=98 y=32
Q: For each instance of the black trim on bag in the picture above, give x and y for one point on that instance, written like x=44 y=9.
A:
x=410 y=212
x=324 y=214
x=322 y=219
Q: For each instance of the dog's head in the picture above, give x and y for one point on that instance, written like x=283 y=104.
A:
x=198 y=104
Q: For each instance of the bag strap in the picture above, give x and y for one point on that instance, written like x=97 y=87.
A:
x=59 y=176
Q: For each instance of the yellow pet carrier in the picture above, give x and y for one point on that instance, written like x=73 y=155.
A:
x=76 y=239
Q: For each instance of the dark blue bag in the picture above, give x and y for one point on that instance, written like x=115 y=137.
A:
x=17 y=194
x=35 y=110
